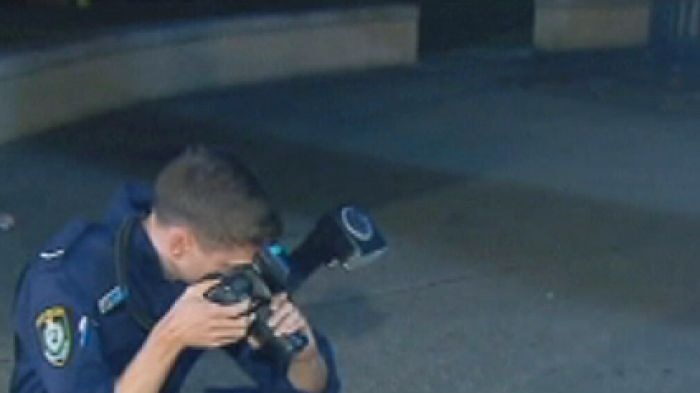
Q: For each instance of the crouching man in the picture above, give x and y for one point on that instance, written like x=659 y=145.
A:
x=85 y=323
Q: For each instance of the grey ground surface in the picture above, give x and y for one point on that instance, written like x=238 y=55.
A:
x=543 y=229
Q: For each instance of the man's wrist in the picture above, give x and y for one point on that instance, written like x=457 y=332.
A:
x=308 y=354
x=148 y=370
x=163 y=335
x=308 y=370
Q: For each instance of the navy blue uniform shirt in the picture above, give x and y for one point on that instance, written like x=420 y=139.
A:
x=72 y=330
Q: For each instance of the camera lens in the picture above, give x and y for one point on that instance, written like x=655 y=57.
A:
x=357 y=223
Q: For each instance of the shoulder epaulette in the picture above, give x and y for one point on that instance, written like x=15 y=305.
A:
x=61 y=244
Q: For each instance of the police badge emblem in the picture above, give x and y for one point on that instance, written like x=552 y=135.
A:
x=55 y=335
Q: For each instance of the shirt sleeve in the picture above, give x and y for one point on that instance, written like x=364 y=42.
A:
x=57 y=348
x=271 y=376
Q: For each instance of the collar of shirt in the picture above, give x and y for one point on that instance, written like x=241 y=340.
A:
x=147 y=278
x=149 y=288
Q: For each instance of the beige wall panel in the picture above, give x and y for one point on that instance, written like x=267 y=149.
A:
x=96 y=82
x=562 y=26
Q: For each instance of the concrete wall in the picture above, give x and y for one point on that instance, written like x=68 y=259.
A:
x=591 y=24
x=43 y=89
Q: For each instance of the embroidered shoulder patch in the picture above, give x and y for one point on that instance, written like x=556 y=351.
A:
x=55 y=335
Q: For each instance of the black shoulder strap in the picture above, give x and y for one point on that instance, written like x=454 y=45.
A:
x=122 y=261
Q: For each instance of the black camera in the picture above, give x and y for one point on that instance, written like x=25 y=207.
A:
x=346 y=236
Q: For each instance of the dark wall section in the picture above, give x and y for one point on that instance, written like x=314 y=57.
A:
x=445 y=24
x=450 y=24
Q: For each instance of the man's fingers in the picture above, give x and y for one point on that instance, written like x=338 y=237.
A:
x=238 y=309
x=292 y=323
x=203 y=286
x=254 y=342
x=278 y=301
x=280 y=314
x=231 y=323
x=234 y=310
x=229 y=334
x=225 y=335
x=223 y=341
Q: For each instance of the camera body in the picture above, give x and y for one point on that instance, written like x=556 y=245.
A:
x=259 y=282
x=346 y=236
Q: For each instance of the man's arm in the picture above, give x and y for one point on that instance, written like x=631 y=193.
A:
x=307 y=369
x=191 y=322
x=313 y=370
x=148 y=371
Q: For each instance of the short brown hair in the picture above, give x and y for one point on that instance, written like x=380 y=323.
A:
x=218 y=197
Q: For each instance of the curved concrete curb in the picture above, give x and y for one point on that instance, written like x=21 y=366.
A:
x=46 y=88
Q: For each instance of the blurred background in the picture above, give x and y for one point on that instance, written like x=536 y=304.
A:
x=533 y=165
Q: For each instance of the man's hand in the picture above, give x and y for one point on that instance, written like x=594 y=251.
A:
x=307 y=370
x=286 y=317
x=193 y=321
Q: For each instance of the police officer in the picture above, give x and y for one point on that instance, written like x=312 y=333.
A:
x=85 y=322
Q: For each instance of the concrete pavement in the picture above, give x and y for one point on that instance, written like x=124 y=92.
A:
x=543 y=237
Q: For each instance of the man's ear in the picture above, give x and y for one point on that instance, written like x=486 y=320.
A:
x=179 y=242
